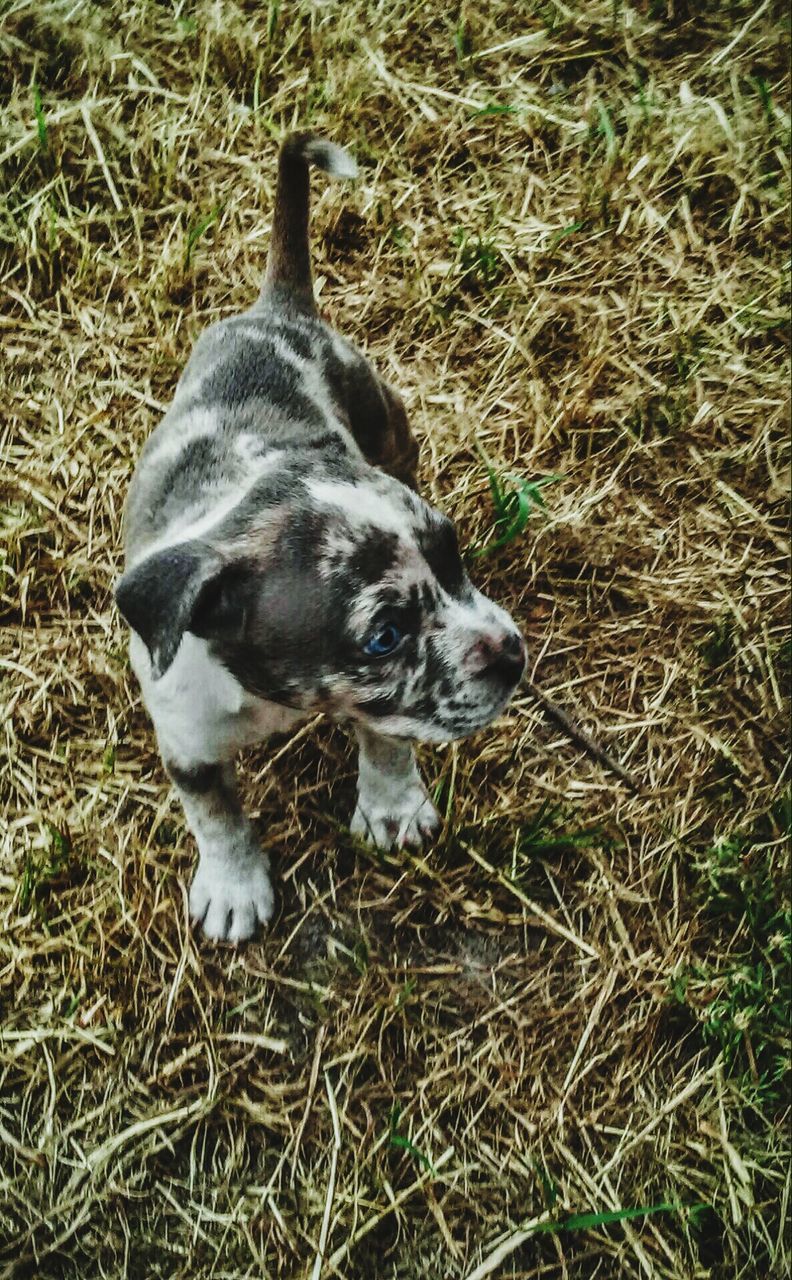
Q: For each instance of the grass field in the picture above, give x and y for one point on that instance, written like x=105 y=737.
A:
x=557 y=1043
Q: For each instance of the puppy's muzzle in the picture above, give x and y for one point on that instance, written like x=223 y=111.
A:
x=499 y=656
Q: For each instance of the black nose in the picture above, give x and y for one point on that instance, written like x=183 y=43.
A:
x=506 y=669
x=508 y=662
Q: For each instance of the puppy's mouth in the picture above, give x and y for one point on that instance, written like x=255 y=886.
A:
x=453 y=727
x=459 y=717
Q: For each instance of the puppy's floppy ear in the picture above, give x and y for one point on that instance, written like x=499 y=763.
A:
x=187 y=587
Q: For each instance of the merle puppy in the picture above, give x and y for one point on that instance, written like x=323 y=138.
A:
x=280 y=563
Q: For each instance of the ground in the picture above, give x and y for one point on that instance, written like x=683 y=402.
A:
x=568 y=249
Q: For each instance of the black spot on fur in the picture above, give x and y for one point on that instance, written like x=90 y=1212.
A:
x=297 y=339
x=253 y=370
x=329 y=441
x=379 y=705
x=374 y=556
x=441 y=552
x=428 y=597
x=357 y=391
x=198 y=780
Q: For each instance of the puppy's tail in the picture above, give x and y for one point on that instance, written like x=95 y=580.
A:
x=288 y=282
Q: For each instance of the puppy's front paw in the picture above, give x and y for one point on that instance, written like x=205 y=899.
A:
x=230 y=897
x=410 y=820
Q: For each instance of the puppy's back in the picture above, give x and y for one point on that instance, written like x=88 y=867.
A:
x=275 y=379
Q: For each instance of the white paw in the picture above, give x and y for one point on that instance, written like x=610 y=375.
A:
x=229 y=896
x=409 y=820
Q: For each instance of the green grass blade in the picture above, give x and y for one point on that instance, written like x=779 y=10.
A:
x=396 y=1140
x=586 y=1221
x=495 y=109
x=514 y=499
x=194 y=234
x=607 y=130
x=41 y=123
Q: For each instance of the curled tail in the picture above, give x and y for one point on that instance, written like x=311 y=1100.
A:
x=288 y=281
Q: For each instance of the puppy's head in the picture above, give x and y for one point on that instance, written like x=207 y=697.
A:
x=351 y=598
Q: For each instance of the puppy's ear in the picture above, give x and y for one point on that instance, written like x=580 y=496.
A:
x=187 y=587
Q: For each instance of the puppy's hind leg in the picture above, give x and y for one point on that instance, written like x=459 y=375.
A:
x=393 y=807
x=231 y=891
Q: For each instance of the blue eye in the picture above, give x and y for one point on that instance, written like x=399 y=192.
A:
x=384 y=641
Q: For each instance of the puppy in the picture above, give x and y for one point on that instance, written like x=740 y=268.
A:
x=279 y=562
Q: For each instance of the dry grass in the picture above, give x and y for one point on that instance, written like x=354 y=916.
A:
x=569 y=245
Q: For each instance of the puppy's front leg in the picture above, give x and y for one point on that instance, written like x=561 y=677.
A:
x=231 y=891
x=393 y=807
